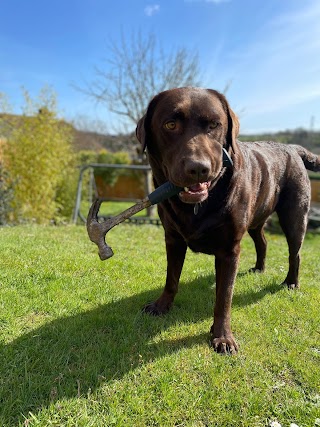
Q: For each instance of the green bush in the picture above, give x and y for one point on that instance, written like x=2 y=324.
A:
x=109 y=175
x=39 y=158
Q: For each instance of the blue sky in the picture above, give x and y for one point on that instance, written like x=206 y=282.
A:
x=269 y=50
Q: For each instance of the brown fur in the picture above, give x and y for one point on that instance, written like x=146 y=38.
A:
x=266 y=177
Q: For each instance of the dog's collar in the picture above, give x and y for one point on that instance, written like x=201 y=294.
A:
x=226 y=159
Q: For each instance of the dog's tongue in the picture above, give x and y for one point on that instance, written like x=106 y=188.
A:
x=198 y=187
x=196 y=193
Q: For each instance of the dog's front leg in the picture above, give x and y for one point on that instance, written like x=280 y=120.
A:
x=226 y=270
x=176 y=252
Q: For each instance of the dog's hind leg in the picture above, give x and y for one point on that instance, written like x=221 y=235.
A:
x=293 y=220
x=260 y=243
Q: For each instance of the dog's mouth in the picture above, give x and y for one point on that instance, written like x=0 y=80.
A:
x=196 y=193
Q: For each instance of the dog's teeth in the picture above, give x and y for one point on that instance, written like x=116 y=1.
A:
x=186 y=189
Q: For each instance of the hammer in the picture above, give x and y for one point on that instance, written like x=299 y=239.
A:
x=98 y=230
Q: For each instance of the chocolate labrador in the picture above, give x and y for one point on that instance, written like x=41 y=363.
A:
x=230 y=187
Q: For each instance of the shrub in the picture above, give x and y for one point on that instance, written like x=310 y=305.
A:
x=39 y=158
x=110 y=176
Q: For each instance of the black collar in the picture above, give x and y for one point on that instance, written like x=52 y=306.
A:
x=226 y=159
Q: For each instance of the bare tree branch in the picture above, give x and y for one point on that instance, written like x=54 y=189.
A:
x=135 y=70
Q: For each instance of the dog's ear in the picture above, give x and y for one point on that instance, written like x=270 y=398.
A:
x=143 y=126
x=233 y=122
x=235 y=125
x=141 y=133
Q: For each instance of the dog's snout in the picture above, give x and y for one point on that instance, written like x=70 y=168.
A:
x=197 y=170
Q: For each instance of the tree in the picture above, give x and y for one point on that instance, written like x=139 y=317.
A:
x=38 y=157
x=136 y=70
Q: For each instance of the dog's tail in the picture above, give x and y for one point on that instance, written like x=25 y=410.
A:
x=310 y=160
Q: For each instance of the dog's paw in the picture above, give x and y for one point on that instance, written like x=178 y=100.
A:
x=155 y=309
x=225 y=345
x=290 y=286
x=255 y=270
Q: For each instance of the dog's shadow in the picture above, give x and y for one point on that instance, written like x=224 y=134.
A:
x=67 y=357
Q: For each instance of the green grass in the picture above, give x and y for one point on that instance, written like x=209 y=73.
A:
x=77 y=351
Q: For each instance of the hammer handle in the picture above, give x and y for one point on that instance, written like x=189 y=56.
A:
x=165 y=191
x=115 y=220
x=161 y=193
x=97 y=231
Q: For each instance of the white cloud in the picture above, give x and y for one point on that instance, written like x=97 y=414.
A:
x=152 y=9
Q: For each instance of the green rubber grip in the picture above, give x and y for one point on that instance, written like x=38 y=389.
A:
x=165 y=191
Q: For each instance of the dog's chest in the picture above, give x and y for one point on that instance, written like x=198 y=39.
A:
x=205 y=244
x=204 y=234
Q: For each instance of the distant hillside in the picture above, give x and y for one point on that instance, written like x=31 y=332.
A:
x=308 y=139
x=86 y=140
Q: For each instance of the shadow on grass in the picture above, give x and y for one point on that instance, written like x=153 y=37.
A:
x=69 y=356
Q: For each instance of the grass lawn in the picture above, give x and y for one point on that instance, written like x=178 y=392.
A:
x=75 y=349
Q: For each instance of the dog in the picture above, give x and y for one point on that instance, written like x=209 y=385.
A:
x=229 y=187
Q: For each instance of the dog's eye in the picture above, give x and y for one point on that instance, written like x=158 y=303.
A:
x=212 y=125
x=171 y=125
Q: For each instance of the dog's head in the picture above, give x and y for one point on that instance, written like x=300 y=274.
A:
x=184 y=131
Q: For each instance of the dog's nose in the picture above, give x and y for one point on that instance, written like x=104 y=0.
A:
x=198 y=170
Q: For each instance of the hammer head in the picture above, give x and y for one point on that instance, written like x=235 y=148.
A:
x=105 y=252
x=97 y=231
